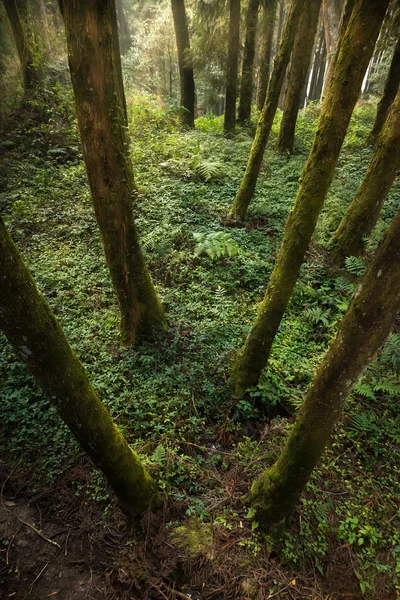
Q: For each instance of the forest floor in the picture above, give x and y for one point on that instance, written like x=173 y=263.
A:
x=61 y=533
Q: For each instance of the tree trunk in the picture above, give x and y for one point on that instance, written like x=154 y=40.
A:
x=264 y=126
x=331 y=12
x=341 y=96
x=232 y=67
x=264 y=66
x=300 y=60
x=97 y=81
x=391 y=87
x=362 y=331
x=22 y=39
x=185 y=66
x=281 y=18
x=40 y=343
x=347 y=9
x=125 y=41
x=363 y=212
x=319 y=62
x=246 y=86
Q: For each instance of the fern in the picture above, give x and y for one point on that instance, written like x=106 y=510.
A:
x=208 y=169
x=216 y=245
x=317 y=315
x=391 y=352
x=354 y=266
x=363 y=424
x=365 y=390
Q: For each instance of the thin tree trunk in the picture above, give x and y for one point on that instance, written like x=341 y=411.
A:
x=281 y=18
x=232 y=67
x=319 y=84
x=97 y=81
x=300 y=60
x=347 y=9
x=246 y=86
x=341 y=96
x=389 y=93
x=264 y=66
x=185 y=66
x=125 y=41
x=318 y=59
x=40 y=343
x=264 y=126
x=362 y=331
x=363 y=212
x=22 y=39
x=331 y=11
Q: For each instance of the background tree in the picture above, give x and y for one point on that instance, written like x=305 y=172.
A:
x=300 y=60
x=319 y=67
x=331 y=13
x=23 y=42
x=363 y=212
x=96 y=79
x=232 y=66
x=185 y=61
x=362 y=331
x=341 y=96
x=246 y=84
x=265 y=56
x=123 y=28
x=264 y=126
x=40 y=343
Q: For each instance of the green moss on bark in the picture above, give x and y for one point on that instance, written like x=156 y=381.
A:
x=185 y=67
x=23 y=41
x=232 y=67
x=264 y=126
x=246 y=85
x=264 y=63
x=363 y=212
x=361 y=333
x=97 y=81
x=40 y=343
x=342 y=94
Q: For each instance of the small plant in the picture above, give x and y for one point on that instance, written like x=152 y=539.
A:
x=216 y=245
x=355 y=266
x=318 y=316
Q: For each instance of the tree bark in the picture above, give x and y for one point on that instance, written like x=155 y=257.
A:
x=363 y=212
x=341 y=96
x=97 y=81
x=389 y=93
x=40 y=343
x=264 y=66
x=185 y=66
x=125 y=41
x=246 y=85
x=362 y=331
x=331 y=11
x=232 y=67
x=264 y=126
x=299 y=63
x=347 y=9
x=22 y=39
x=318 y=66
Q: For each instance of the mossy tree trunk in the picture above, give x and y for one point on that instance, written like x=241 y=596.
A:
x=40 y=343
x=97 y=81
x=363 y=212
x=232 y=67
x=246 y=84
x=123 y=28
x=389 y=93
x=184 y=60
x=264 y=126
x=341 y=96
x=299 y=63
x=344 y=21
x=362 y=331
x=24 y=44
x=331 y=12
x=264 y=63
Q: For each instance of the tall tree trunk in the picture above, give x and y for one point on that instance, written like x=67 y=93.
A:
x=246 y=85
x=23 y=41
x=331 y=12
x=362 y=331
x=264 y=66
x=341 y=96
x=389 y=93
x=264 y=126
x=97 y=81
x=347 y=9
x=281 y=18
x=184 y=60
x=40 y=343
x=125 y=41
x=363 y=212
x=299 y=63
x=232 y=67
x=319 y=60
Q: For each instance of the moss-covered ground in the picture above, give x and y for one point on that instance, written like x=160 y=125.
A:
x=171 y=396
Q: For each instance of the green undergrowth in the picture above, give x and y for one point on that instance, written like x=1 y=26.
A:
x=170 y=396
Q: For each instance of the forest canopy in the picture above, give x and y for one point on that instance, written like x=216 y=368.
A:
x=200 y=299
